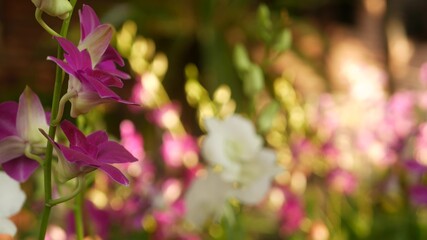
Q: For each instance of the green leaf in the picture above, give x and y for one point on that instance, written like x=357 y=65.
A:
x=253 y=80
x=241 y=58
x=267 y=115
x=283 y=40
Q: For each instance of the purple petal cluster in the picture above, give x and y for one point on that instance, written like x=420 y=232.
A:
x=19 y=124
x=91 y=65
x=87 y=153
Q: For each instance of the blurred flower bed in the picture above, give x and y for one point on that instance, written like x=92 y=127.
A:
x=220 y=120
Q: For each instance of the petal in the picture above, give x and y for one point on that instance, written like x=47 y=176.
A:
x=106 y=78
x=7 y=227
x=206 y=196
x=65 y=66
x=75 y=156
x=66 y=170
x=88 y=21
x=73 y=134
x=112 y=152
x=10 y=148
x=8 y=112
x=101 y=89
x=84 y=102
x=11 y=202
x=30 y=117
x=73 y=53
x=97 y=137
x=115 y=174
x=111 y=54
x=256 y=190
x=97 y=42
x=20 y=168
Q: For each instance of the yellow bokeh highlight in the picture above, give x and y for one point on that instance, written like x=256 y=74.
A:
x=222 y=94
x=149 y=223
x=98 y=198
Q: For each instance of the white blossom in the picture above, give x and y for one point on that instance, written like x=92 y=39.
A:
x=11 y=201
x=240 y=168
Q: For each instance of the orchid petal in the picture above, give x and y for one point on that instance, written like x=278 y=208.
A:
x=88 y=21
x=202 y=201
x=109 y=68
x=73 y=134
x=106 y=78
x=115 y=174
x=97 y=137
x=20 y=168
x=84 y=102
x=65 y=66
x=10 y=148
x=13 y=197
x=101 y=89
x=97 y=42
x=254 y=192
x=7 y=227
x=112 y=152
x=73 y=53
x=75 y=156
x=8 y=112
x=30 y=117
x=111 y=54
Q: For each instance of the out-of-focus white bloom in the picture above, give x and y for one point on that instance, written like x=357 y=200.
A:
x=241 y=168
x=11 y=201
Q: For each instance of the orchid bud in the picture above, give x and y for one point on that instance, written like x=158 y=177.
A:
x=55 y=8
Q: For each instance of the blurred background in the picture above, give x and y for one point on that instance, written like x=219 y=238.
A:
x=344 y=80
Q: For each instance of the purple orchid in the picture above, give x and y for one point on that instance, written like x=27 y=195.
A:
x=91 y=65
x=19 y=135
x=85 y=154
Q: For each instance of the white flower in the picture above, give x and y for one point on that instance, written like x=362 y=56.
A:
x=11 y=201
x=244 y=169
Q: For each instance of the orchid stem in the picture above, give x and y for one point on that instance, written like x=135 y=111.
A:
x=30 y=155
x=42 y=23
x=78 y=214
x=62 y=103
x=77 y=190
x=47 y=164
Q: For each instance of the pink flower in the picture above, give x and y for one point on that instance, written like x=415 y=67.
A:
x=292 y=214
x=19 y=133
x=175 y=148
x=86 y=154
x=166 y=116
x=342 y=181
x=131 y=139
x=91 y=65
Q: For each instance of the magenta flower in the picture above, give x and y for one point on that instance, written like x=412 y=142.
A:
x=91 y=65
x=131 y=139
x=176 y=148
x=86 y=154
x=19 y=135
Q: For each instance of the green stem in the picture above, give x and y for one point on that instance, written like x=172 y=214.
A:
x=79 y=188
x=47 y=165
x=62 y=102
x=42 y=23
x=78 y=215
x=30 y=155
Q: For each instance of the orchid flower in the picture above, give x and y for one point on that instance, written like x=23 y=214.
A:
x=240 y=168
x=11 y=201
x=20 y=139
x=86 y=154
x=91 y=65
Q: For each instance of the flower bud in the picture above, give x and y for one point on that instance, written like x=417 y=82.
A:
x=55 y=8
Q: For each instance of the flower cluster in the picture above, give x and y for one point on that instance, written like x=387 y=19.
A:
x=239 y=168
